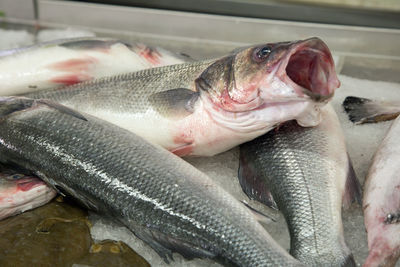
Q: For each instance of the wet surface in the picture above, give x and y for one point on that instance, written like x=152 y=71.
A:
x=58 y=234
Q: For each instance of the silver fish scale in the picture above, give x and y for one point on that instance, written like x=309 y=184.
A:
x=294 y=163
x=125 y=93
x=151 y=191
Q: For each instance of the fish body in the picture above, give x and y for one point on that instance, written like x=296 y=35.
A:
x=20 y=192
x=381 y=202
x=303 y=171
x=69 y=61
x=163 y=199
x=207 y=107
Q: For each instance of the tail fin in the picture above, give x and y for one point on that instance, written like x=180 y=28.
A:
x=363 y=110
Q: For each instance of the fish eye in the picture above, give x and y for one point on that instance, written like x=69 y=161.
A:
x=17 y=176
x=262 y=53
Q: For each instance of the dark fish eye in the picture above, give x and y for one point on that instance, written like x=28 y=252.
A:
x=17 y=176
x=262 y=53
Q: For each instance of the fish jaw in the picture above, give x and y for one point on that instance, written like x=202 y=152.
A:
x=306 y=71
x=210 y=130
x=17 y=196
x=309 y=69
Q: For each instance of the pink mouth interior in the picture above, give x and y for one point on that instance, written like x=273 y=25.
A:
x=313 y=70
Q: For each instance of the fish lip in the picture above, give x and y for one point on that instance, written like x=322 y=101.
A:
x=322 y=61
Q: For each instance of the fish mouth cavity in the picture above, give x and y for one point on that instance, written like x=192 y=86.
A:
x=309 y=68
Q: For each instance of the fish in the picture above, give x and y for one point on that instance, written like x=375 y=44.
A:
x=161 y=198
x=69 y=61
x=20 y=192
x=363 y=110
x=381 y=201
x=306 y=174
x=203 y=108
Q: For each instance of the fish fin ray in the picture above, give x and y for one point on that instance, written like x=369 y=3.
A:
x=89 y=43
x=61 y=108
x=177 y=102
x=9 y=105
x=166 y=245
x=259 y=215
x=183 y=150
x=364 y=110
x=253 y=185
x=352 y=187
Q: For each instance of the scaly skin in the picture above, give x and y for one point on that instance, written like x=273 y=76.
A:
x=154 y=193
x=305 y=169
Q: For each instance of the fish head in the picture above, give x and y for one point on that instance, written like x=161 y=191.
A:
x=273 y=76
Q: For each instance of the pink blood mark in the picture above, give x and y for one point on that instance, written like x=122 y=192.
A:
x=183 y=150
x=74 y=65
x=185 y=141
x=28 y=184
x=151 y=55
x=70 y=79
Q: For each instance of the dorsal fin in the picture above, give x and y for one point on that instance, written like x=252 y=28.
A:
x=9 y=105
x=61 y=108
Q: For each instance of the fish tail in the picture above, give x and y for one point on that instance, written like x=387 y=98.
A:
x=364 y=110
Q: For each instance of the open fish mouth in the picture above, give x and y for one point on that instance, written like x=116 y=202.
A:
x=310 y=70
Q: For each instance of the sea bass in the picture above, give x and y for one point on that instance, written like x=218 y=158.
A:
x=207 y=107
x=163 y=199
x=70 y=61
x=381 y=202
x=303 y=172
x=20 y=192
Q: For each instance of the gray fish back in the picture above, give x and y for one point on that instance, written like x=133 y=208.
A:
x=293 y=163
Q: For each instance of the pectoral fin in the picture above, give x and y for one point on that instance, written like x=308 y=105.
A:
x=253 y=185
x=175 y=103
x=165 y=245
x=352 y=188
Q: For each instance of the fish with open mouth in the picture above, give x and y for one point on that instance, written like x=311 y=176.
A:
x=164 y=200
x=20 y=192
x=69 y=61
x=305 y=172
x=207 y=107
